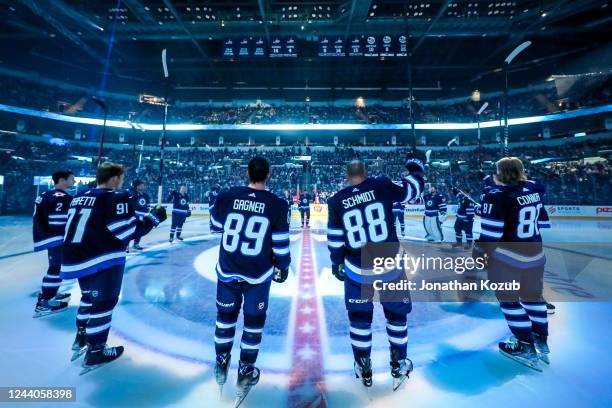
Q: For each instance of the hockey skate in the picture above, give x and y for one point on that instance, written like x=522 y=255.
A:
x=550 y=308
x=363 y=370
x=456 y=245
x=99 y=357
x=521 y=351
x=179 y=238
x=221 y=367
x=171 y=239
x=400 y=371
x=62 y=297
x=79 y=346
x=137 y=247
x=248 y=377
x=46 y=307
x=541 y=346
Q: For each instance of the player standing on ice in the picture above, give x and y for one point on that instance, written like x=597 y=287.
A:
x=464 y=223
x=212 y=198
x=304 y=206
x=254 y=251
x=48 y=222
x=180 y=212
x=435 y=215
x=512 y=215
x=101 y=222
x=360 y=214
x=398 y=217
x=140 y=201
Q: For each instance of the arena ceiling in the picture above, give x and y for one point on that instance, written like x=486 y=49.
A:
x=455 y=45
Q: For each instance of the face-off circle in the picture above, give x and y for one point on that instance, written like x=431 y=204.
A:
x=168 y=306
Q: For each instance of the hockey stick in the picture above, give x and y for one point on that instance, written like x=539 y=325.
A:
x=478 y=153
x=465 y=194
x=104 y=108
x=163 y=135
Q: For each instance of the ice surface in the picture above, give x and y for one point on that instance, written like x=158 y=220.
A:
x=166 y=320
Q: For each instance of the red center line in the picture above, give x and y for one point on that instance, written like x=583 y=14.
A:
x=306 y=383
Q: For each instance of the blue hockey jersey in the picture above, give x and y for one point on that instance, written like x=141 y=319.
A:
x=362 y=214
x=49 y=218
x=398 y=208
x=466 y=208
x=180 y=202
x=434 y=204
x=255 y=234
x=140 y=202
x=514 y=214
x=100 y=224
x=212 y=198
x=304 y=202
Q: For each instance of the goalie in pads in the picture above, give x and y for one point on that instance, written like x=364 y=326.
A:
x=435 y=215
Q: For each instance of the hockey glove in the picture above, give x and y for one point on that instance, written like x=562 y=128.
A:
x=338 y=271
x=442 y=217
x=188 y=213
x=159 y=213
x=280 y=275
x=415 y=161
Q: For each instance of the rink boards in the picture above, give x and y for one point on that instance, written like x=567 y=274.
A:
x=569 y=212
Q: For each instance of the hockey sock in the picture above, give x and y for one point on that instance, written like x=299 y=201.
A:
x=251 y=337
x=225 y=329
x=51 y=282
x=361 y=339
x=517 y=319
x=397 y=331
x=538 y=316
x=99 y=323
x=84 y=308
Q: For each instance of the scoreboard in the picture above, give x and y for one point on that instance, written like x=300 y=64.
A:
x=363 y=45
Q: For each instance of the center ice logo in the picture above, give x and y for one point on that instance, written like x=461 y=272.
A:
x=155 y=295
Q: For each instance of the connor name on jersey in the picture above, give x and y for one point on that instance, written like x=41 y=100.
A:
x=512 y=217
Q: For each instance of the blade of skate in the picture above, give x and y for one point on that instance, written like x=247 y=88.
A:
x=527 y=363
x=76 y=354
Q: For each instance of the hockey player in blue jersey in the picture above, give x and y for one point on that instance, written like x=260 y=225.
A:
x=180 y=211
x=304 y=206
x=464 y=223
x=101 y=222
x=398 y=217
x=435 y=215
x=254 y=251
x=212 y=198
x=358 y=215
x=48 y=222
x=512 y=215
x=140 y=201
